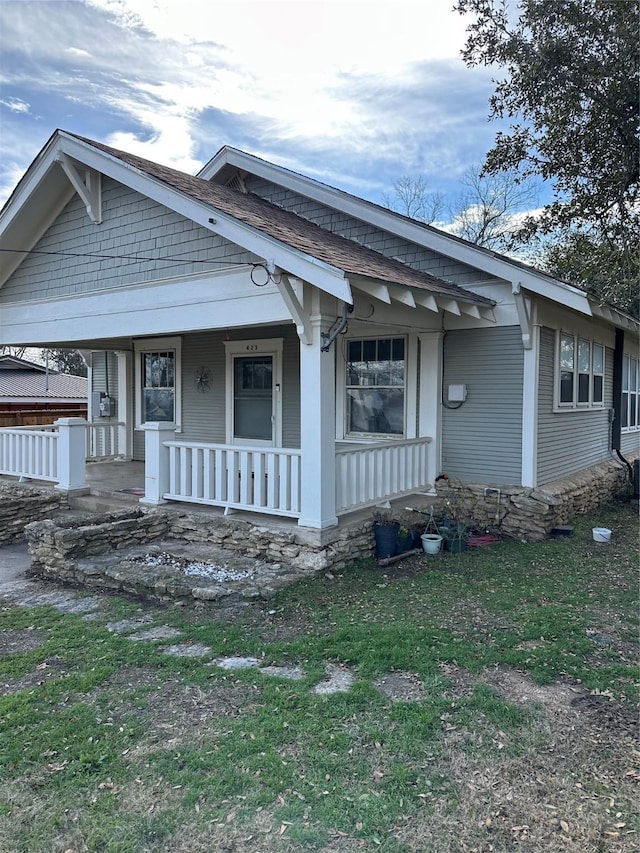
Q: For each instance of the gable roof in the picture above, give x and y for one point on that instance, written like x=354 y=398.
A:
x=328 y=260
x=229 y=161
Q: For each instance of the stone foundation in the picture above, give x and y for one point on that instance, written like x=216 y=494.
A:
x=96 y=551
x=21 y=504
x=530 y=514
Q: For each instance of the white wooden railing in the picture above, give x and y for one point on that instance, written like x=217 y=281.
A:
x=262 y=479
x=30 y=452
x=367 y=474
x=105 y=439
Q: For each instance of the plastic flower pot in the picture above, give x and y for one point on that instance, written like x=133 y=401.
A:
x=431 y=543
x=386 y=537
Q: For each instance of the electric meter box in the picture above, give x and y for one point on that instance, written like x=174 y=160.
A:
x=457 y=393
x=107 y=406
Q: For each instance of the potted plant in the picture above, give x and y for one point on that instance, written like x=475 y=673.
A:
x=385 y=532
x=454 y=530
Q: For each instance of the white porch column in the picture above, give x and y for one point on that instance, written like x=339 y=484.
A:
x=430 y=405
x=156 y=461
x=530 y=410
x=124 y=405
x=72 y=454
x=317 y=423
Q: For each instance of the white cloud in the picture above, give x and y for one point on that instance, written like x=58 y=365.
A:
x=16 y=105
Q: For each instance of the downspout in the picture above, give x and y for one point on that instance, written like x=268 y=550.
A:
x=616 y=426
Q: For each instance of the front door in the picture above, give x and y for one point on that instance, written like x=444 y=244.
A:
x=253 y=414
x=253 y=399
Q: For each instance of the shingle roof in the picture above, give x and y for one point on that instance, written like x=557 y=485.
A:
x=294 y=230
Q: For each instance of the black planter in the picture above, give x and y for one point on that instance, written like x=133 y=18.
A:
x=386 y=536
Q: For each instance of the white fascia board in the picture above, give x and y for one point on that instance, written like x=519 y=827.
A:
x=300 y=265
x=432 y=239
x=78 y=400
x=219 y=300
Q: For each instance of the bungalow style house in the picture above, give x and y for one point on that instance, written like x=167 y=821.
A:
x=268 y=343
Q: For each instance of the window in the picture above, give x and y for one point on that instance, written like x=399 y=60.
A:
x=375 y=387
x=158 y=381
x=580 y=380
x=630 y=393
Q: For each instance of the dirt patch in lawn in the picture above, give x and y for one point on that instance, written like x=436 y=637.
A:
x=172 y=711
x=48 y=670
x=566 y=782
x=16 y=641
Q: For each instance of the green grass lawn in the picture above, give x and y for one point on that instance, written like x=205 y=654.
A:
x=493 y=708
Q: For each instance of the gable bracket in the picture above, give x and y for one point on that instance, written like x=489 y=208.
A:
x=285 y=284
x=88 y=186
x=523 y=307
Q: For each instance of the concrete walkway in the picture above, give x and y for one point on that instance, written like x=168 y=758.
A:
x=14 y=562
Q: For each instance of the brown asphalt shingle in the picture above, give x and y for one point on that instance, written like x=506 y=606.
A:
x=293 y=230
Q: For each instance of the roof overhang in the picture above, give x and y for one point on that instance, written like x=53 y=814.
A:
x=46 y=189
x=228 y=160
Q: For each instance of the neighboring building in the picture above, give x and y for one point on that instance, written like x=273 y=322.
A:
x=277 y=345
x=32 y=394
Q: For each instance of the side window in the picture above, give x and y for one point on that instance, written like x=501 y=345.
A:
x=579 y=373
x=375 y=387
x=157 y=381
x=630 y=393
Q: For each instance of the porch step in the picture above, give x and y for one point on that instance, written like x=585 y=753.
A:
x=100 y=501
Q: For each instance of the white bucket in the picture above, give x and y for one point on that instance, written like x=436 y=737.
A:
x=601 y=534
x=431 y=543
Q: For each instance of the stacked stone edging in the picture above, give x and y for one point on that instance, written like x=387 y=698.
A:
x=530 y=514
x=96 y=551
x=21 y=504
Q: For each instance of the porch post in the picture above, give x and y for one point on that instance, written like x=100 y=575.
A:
x=72 y=454
x=125 y=403
x=430 y=400
x=317 y=424
x=156 y=461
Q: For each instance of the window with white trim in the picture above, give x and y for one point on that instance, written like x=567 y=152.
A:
x=158 y=381
x=580 y=373
x=375 y=387
x=630 y=393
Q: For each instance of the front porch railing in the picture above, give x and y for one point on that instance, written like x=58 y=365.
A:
x=263 y=479
x=105 y=439
x=30 y=452
x=367 y=474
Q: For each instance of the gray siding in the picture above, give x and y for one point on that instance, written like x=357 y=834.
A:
x=482 y=440
x=569 y=441
x=368 y=235
x=104 y=371
x=203 y=414
x=132 y=225
x=630 y=442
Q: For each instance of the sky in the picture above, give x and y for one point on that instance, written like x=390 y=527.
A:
x=354 y=93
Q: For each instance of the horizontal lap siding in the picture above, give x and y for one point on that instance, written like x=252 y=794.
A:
x=132 y=225
x=569 y=441
x=482 y=440
x=381 y=241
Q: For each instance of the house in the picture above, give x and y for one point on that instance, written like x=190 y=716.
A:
x=268 y=343
x=31 y=394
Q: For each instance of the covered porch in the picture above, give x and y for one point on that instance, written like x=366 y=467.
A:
x=80 y=457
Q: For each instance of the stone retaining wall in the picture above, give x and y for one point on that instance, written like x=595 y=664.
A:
x=529 y=514
x=21 y=504
x=61 y=548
